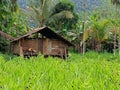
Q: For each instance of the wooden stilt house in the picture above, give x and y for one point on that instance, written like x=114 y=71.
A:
x=41 y=40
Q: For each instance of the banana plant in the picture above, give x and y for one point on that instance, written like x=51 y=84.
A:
x=79 y=36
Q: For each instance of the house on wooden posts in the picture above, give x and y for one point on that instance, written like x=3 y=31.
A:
x=41 y=40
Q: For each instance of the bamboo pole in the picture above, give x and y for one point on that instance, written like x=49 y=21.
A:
x=84 y=44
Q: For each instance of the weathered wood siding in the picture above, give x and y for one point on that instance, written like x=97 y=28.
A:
x=15 y=48
x=30 y=43
x=44 y=46
x=54 y=47
x=40 y=45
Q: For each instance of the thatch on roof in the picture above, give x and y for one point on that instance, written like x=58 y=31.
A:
x=47 y=32
x=6 y=36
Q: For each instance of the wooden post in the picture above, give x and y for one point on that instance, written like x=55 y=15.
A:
x=11 y=47
x=47 y=48
x=21 y=49
x=42 y=41
x=65 y=53
x=61 y=53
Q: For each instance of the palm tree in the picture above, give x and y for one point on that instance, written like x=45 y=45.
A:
x=79 y=35
x=98 y=32
x=42 y=11
x=117 y=4
x=115 y=30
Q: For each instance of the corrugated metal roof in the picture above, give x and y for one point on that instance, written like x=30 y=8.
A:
x=47 y=32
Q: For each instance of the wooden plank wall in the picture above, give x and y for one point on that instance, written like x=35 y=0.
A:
x=40 y=45
x=15 y=48
x=30 y=43
x=45 y=46
x=54 y=47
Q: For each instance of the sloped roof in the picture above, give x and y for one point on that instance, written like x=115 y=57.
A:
x=6 y=36
x=47 y=32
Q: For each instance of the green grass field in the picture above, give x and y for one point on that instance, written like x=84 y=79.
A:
x=90 y=72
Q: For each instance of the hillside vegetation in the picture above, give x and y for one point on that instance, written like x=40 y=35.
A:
x=91 y=4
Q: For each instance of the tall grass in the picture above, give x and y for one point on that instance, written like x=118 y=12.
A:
x=90 y=72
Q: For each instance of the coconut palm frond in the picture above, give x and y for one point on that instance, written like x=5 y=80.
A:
x=41 y=10
x=49 y=7
x=63 y=14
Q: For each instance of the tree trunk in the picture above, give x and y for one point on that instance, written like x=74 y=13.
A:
x=84 y=43
x=79 y=48
x=93 y=45
x=115 y=34
x=99 y=47
x=84 y=47
x=42 y=23
x=119 y=46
